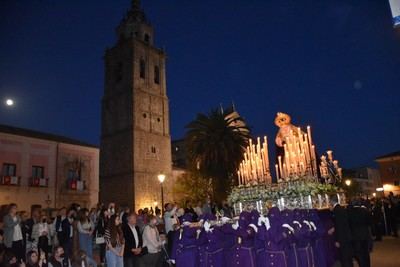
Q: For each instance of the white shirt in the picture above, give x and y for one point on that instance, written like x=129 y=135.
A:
x=43 y=227
x=135 y=235
x=170 y=219
x=17 y=231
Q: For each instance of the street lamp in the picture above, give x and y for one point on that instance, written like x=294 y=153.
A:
x=348 y=182
x=161 y=178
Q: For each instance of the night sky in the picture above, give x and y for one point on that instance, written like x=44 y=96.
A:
x=332 y=64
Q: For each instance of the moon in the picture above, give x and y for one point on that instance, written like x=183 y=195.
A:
x=10 y=102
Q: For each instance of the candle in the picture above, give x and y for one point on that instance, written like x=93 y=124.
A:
x=285 y=172
x=309 y=135
x=277 y=172
x=280 y=166
x=336 y=164
x=330 y=157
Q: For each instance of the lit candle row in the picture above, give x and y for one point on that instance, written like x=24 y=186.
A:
x=299 y=157
x=255 y=165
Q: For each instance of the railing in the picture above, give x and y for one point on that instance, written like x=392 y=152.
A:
x=77 y=185
x=11 y=180
x=39 y=182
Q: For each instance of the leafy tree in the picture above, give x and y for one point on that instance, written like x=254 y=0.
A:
x=192 y=186
x=215 y=143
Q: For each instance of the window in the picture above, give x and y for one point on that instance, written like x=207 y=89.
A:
x=397 y=183
x=153 y=149
x=147 y=38
x=142 y=69
x=158 y=119
x=9 y=169
x=156 y=75
x=144 y=115
x=37 y=172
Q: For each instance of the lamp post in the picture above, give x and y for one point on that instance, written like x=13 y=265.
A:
x=348 y=182
x=161 y=178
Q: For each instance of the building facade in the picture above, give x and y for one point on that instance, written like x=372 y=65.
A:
x=135 y=137
x=389 y=168
x=368 y=178
x=45 y=169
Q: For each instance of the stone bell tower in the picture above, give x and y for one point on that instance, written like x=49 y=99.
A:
x=135 y=137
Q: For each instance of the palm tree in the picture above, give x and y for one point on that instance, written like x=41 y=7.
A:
x=215 y=143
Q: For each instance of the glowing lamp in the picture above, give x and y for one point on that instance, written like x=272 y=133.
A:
x=161 y=177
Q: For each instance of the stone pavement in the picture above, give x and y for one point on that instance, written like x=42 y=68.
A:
x=386 y=253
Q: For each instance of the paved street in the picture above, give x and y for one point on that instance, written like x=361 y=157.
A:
x=386 y=253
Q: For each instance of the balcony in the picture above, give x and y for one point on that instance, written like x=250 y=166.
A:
x=76 y=185
x=11 y=180
x=39 y=182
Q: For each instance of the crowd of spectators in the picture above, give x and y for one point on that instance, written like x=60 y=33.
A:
x=118 y=237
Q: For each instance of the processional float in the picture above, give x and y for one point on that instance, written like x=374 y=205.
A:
x=302 y=179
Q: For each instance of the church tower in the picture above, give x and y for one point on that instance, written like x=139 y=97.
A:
x=135 y=136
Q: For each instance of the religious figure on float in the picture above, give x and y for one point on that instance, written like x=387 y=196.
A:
x=286 y=128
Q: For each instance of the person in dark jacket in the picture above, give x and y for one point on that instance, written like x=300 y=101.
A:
x=62 y=214
x=378 y=221
x=100 y=231
x=360 y=223
x=133 y=242
x=66 y=240
x=342 y=232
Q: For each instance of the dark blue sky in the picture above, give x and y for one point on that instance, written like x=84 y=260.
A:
x=332 y=64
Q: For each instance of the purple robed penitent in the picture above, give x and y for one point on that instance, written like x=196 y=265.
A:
x=274 y=239
x=211 y=246
x=242 y=253
x=318 y=244
x=290 y=250
x=303 y=236
x=185 y=252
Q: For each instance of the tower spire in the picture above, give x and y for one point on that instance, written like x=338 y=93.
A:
x=136 y=4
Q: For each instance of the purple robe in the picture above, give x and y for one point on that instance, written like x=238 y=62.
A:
x=210 y=248
x=303 y=237
x=186 y=253
x=318 y=244
x=290 y=250
x=331 y=251
x=242 y=253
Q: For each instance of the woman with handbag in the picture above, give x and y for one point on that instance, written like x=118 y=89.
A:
x=100 y=231
x=115 y=242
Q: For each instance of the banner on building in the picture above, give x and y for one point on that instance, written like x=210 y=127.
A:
x=395 y=7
